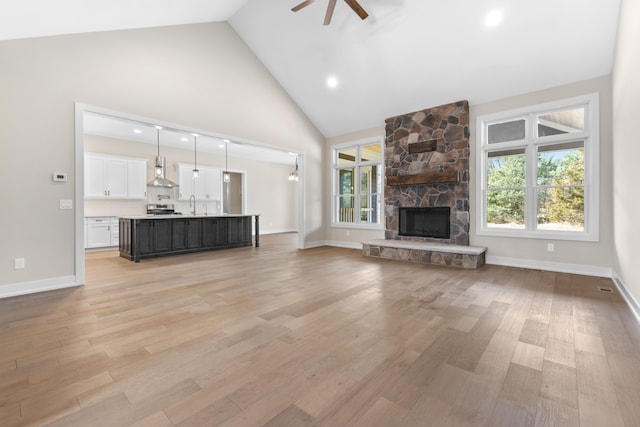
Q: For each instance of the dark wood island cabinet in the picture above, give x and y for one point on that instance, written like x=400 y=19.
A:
x=146 y=237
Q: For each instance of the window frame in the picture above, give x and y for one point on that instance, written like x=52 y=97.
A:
x=591 y=137
x=357 y=165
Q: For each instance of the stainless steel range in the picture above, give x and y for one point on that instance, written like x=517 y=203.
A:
x=161 y=209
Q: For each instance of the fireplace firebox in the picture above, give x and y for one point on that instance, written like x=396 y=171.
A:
x=425 y=222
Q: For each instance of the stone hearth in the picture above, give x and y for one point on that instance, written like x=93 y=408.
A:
x=426 y=253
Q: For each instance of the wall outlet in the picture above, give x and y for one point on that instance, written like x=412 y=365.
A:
x=66 y=204
x=348 y=233
x=18 y=263
x=551 y=247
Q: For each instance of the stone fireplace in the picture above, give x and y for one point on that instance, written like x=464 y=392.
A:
x=427 y=189
x=427 y=165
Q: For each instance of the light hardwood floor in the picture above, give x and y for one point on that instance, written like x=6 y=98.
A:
x=275 y=336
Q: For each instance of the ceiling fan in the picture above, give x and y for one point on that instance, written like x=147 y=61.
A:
x=353 y=4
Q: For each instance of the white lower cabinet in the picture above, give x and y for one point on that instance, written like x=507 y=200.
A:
x=115 y=231
x=101 y=232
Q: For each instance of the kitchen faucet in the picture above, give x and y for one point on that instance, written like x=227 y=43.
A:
x=192 y=199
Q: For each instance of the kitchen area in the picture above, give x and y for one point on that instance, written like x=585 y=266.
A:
x=174 y=192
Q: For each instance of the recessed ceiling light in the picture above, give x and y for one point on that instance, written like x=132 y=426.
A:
x=221 y=145
x=493 y=18
x=332 y=82
x=225 y=140
x=137 y=131
x=184 y=139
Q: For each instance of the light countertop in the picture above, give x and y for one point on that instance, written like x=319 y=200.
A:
x=186 y=216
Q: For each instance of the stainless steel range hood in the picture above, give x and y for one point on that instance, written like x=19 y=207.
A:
x=161 y=180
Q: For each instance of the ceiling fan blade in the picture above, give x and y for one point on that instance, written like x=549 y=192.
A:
x=301 y=5
x=353 y=4
x=330 y=8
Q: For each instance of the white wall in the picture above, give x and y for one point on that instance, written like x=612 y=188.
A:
x=580 y=257
x=626 y=149
x=269 y=192
x=202 y=76
x=586 y=257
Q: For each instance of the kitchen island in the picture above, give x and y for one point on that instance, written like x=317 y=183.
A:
x=147 y=236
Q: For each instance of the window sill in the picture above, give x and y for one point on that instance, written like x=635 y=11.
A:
x=549 y=235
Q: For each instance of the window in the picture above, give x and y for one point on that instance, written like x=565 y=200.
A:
x=539 y=171
x=357 y=188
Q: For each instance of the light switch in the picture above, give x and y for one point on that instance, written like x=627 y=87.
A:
x=59 y=177
x=66 y=204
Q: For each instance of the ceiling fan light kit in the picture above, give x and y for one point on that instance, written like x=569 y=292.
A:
x=353 y=4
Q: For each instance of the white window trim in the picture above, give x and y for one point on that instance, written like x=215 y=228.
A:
x=335 y=183
x=591 y=137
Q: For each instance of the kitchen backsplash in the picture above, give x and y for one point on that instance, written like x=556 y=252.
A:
x=122 y=207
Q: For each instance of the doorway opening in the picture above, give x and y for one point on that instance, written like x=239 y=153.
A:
x=237 y=191
x=232 y=194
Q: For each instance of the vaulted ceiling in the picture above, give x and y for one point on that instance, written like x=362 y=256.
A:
x=408 y=55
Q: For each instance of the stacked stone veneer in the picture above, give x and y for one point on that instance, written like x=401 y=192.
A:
x=445 y=130
x=426 y=253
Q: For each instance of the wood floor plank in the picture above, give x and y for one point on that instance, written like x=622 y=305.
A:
x=528 y=355
x=382 y=413
x=293 y=416
x=559 y=384
x=550 y=413
x=534 y=332
x=318 y=337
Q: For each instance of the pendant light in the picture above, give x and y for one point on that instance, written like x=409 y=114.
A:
x=293 y=176
x=196 y=172
x=159 y=168
x=226 y=177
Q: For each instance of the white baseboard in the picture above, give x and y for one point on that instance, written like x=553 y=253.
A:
x=347 y=245
x=32 y=287
x=277 y=230
x=311 y=245
x=334 y=243
x=629 y=299
x=588 y=270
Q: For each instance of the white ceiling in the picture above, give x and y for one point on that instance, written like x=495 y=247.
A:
x=408 y=55
x=414 y=54
x=111 y=127
x=35 y=18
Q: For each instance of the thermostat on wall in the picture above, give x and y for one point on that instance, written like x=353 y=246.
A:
x=60 y=177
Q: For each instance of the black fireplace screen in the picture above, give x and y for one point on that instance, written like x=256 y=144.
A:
x=425 y=222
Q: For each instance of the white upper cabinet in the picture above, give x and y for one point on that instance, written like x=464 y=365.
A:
x=137 y=178
x=115 y=177
x=208 y=184
x=185 y=181
x=207 y=187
